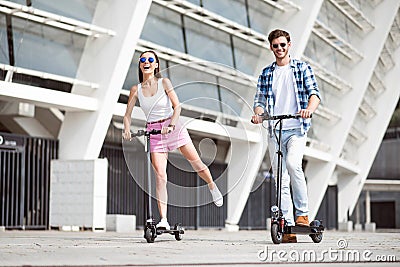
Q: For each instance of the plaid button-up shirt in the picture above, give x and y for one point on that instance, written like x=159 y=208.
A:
x=305 y=86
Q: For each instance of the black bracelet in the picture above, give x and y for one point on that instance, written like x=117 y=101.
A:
x=171 y=125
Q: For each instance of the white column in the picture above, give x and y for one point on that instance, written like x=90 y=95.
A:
x=350 y=185
x=243 y=169
x=384 y=105
x=317 y=183
x=367 y=207
x=105 y=61
x=369 y=226
x=358 y=225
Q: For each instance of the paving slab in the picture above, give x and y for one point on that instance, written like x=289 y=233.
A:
x=198 y=248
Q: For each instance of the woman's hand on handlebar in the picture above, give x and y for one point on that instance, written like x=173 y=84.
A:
x=256 y=119
x=167 y=129
x=127 y=135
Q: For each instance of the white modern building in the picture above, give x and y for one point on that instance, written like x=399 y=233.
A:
x=67 y=66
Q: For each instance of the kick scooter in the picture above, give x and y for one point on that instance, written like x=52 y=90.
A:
x=150 y=229
x=279 y=225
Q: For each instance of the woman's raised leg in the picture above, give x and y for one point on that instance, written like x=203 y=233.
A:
x=190 y=153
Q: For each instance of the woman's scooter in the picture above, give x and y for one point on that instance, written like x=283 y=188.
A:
x=279 y=225
x=150 y=230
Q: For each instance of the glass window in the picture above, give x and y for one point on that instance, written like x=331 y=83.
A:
x=328 y=57
x=208 y=43
x=340 y=24
x=45 y=48
x=234 y=10
x=328 y=92
x=21 y=2
x=194 y=87
x=320 y=52
x=3 y=41
x=196 y=2
x=235 y=97
x=164 y=27
x=247 y=56
x=261 y=16
x=82 y=10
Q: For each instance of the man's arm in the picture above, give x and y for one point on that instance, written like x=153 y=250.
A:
x=313 y=103
x=310 y=82
x=312 y=91
x=259 y=105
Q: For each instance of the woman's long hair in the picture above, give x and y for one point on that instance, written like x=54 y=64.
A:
x=157 y=73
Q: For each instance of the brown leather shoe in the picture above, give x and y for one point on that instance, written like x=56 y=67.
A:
x=302 y=221
x=289 y=238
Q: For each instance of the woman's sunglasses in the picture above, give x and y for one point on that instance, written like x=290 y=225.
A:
x=277 y=45
x=143 y=59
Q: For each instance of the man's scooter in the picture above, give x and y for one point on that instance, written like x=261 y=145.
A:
x=150 y=230
x=279 y=225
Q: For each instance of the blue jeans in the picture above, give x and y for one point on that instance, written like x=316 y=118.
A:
x=293 y=146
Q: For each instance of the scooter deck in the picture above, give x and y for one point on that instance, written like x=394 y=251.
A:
x=160 y=231
x=299 y=229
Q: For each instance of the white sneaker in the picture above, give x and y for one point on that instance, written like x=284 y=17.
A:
x=217 y=196
x=163 y=224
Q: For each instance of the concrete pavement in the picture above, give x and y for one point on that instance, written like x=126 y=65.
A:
x=201 y=247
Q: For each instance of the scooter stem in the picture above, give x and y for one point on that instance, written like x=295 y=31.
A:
x=147 y=149
x=279 y=178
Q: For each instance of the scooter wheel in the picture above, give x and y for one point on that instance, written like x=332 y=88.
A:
x=276 y=235
x=148 y=235
x=178 y=229
x=316 y=238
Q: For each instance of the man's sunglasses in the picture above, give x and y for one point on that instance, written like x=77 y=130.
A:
x=143 y=59
x=277 y=45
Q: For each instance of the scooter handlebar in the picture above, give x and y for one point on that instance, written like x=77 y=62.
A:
x=143 y=132
x=267 y=117
x=154 y=132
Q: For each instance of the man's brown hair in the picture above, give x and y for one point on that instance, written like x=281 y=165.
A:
x=278 y=33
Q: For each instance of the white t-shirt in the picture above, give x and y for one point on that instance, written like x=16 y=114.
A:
x=285 y=96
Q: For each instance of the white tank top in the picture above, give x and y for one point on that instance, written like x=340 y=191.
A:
x=156 y=107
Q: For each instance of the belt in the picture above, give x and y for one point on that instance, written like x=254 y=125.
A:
x=152 y=122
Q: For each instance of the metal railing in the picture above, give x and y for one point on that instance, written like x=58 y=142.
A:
x=54 y=20
x=124 y=195
x=25 y=181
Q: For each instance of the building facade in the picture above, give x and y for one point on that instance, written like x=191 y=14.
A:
x=67 y=67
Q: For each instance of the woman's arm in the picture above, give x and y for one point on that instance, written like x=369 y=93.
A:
x=128 y=113
x=169 y=89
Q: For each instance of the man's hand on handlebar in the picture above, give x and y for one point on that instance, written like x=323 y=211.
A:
x=305 y=113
